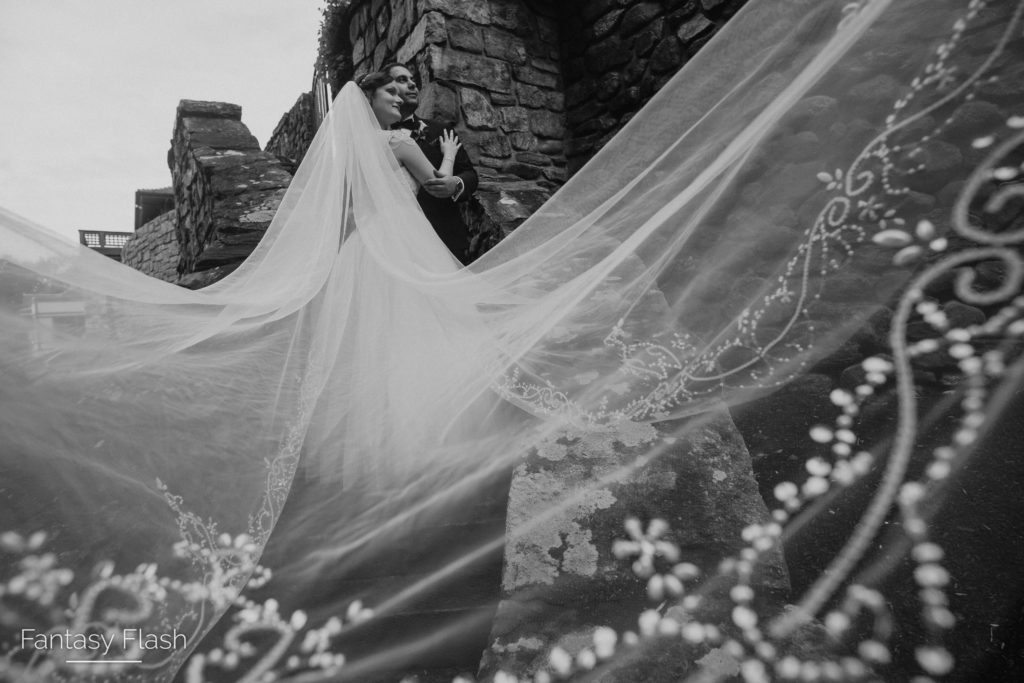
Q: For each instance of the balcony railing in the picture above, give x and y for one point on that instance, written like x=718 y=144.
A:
x=322 y=98
x=107 y=243
x=99 y=239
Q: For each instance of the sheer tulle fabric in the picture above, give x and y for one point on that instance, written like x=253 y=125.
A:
x=681 y=269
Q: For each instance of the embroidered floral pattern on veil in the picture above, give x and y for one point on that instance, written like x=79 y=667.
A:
x=865 y=209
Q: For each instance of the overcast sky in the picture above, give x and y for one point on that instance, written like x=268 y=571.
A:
x=88 y=90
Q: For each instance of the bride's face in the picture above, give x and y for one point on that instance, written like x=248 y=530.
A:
x=386 y=104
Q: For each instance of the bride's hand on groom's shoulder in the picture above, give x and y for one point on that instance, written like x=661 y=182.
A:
x=449 y=142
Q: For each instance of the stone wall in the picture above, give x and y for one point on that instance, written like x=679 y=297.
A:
x=617 y=53
x=492 y=68
x=534 y=87
x=294 y=132
x=153 y=249
x=226 y=190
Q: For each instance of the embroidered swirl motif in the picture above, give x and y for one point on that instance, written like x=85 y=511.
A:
x=227 y=563
x=869 y=203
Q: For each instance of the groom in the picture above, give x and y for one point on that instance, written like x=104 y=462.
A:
x=437 y=197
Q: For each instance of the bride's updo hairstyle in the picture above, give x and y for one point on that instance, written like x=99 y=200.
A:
x=369 y=83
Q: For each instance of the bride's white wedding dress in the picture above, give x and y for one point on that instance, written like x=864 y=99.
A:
x=397 y=137
x=768 y=201
x=409 y=353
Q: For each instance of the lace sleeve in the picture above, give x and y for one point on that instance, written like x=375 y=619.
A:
x=398 y=137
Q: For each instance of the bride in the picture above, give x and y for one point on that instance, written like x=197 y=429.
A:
x=382 y=92
x=818 y=166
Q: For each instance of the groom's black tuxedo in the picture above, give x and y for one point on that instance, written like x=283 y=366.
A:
x=443 y=214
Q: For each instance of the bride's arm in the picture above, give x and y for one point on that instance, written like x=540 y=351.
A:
x=411 y=156
x=450 y=145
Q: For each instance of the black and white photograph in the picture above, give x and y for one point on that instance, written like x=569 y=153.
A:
x=512 y=341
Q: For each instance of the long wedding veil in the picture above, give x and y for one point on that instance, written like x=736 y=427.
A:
x=828 y=190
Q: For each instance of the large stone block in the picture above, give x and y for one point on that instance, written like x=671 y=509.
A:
x=504 y=45
x=523 y=141
x=232 y=174
x=639 y=16
x=500 y=204
x=667 y=56
x=488 y=144
x=648 y=37
x=547 y=124
x=209 y=110
x=218 y=133
x=383 y=23
x=547 y=65
x=556 y=174
x=553 y=148
x=465 y=35
x=359 y=52
x=695 y=28
x=477 y=110
x=539 y=98
x=469 y=69
x=511 y=14
x=430 y=30
x=606 y=24
x=439 y=102
x=525 y=171
x=534 y=158
x=503 y=99
x=478 y=12
x=527 y=74
x=514 y=118
x=380 y=55
x=608 y=54
x=511 y=202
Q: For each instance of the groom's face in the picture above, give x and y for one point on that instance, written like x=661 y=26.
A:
x=407 y=89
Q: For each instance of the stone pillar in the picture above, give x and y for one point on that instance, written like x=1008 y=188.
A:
x=567 y=505
x=226 y=190
x=492 y=69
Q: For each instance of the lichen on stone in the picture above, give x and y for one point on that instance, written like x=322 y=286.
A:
x=542 y=547
x=528 y=644
x=552 y=451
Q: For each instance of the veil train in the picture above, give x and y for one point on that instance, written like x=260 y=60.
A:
x=824 y=205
